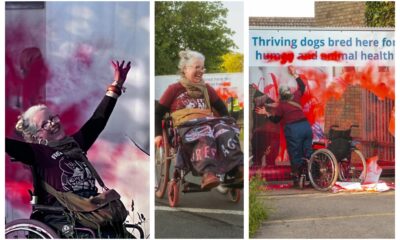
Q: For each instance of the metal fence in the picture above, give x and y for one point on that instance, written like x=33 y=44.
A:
x=376 y=138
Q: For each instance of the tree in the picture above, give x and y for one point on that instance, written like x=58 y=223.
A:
x=380 y=14
x=199 y=26
x=232 y=62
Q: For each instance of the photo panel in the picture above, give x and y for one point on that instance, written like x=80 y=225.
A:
x=84 y=66
x=321 y=122
x=199 y=129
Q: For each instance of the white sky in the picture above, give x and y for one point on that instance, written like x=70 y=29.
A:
x=236 y=19
x=235 y=22
x=280 y=8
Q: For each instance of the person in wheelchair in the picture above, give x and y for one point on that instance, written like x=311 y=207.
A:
x=210 y=142
x=60 y=160
x=297 y=129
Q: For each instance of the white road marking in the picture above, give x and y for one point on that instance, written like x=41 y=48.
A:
x=199 y=210
x=329 y=218
x=320 y=194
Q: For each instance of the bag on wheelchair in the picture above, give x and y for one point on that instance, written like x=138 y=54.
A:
x=94 y=212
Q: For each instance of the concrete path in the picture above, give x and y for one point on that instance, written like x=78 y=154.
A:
x=199 y=215
x=312 y=214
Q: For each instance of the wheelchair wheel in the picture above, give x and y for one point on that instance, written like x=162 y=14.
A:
x=163 y=163
x=323 y=169
x=234 y=195
x=173 y=193
x=28 y=229
x=136 y=231
x=353 y=169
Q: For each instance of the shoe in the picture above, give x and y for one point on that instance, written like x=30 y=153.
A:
x=299 y=181
x=209 y=181
x=296 y=180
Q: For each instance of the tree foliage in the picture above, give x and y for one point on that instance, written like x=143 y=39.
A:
x=199 y=26
x=380 y=14
x=232 y=62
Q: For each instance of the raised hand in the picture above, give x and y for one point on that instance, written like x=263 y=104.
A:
x=120 y=71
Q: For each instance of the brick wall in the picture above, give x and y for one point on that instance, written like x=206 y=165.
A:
x=339 y=14
x=281 y=21
x=327 y=14
x=345 y=111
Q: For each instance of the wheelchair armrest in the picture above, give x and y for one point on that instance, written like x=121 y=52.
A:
x=46 y=208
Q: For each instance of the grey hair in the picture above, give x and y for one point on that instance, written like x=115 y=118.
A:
x=186 y=57
x=285 y=94
x=25 y=125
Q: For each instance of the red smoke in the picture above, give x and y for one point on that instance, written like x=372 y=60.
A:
x=379 y=83
x=378 y=80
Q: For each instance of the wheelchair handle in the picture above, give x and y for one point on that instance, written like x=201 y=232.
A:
x=351 y=126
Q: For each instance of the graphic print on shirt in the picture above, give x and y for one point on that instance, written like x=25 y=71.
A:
x=76 y=175
x=185 y=101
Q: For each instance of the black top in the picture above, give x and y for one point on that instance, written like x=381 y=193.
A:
x=58 y=170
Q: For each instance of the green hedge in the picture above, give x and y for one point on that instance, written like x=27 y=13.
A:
x=380 y=14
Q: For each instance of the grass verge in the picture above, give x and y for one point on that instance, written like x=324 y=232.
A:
x=258 y=212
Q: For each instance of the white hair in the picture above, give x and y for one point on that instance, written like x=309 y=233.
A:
x=284 y=93
x=25 y=124
x=187 y=57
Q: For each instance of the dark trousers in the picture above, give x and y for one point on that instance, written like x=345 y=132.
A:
x=299 y=143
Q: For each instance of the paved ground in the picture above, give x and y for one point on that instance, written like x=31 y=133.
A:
x=312 y=214
x=199 y=215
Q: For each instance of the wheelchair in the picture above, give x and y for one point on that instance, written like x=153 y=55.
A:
x=35 y=227
x=338 y=158
x=171 y=182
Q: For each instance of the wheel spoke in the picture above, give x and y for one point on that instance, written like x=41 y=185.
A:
x=354 y=168
x=322 y=169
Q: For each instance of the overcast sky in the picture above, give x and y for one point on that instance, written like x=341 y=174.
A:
x=261 y=8
x=235 y=22
x=281 y=8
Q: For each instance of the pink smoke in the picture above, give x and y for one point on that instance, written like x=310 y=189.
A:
x=72 y=86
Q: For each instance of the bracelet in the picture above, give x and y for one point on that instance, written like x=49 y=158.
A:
x=115 y=89
x=117 y=84
x=112 y=94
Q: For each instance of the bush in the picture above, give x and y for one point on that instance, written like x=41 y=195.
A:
x=258 y=212
x=380 y=14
